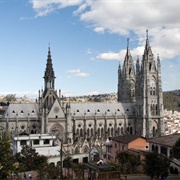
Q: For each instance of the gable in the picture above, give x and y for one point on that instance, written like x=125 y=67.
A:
x=56 y=111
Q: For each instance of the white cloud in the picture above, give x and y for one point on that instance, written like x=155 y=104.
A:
x=109 y=56
x=44 y=7
x=127 y=18
x=74 y=71
x=120 y=55
x=77 y=72
x=80 y=74
x=99 y=30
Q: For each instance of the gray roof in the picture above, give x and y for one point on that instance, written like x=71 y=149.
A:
x=22 y=110
x=127 y=138
x=79 y=109
x=168 y=140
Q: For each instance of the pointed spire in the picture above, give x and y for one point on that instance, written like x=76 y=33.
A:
x=49 y=72
x=128 y=57
x=128 y=50
x=147 y=50
x=49 y=53
x=147 y=40
x=127 y=43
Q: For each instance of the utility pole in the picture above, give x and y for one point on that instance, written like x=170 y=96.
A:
x=61 y=166
x=61 y=157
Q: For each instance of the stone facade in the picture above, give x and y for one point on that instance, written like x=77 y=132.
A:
x=143 y=87
x=87 y=126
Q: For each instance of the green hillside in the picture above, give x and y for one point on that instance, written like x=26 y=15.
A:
x=172 y=100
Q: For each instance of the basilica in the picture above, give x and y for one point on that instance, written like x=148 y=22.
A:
x=84 y=126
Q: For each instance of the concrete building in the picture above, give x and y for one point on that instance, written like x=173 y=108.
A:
x=163 y=145
x=124 y=143
x=85 y=127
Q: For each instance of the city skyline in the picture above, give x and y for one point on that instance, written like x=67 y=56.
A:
x=88 y=40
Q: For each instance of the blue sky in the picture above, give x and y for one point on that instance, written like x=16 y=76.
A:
x=88 y=39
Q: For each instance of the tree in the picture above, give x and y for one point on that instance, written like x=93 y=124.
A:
x=30 y=159
x=79 y=170
x=7 y=162
x=52 y=171
x=68 y=164
x=10 y=98
x=155 y=164
x=41 y=165
x=128 y=162
x=176 y=149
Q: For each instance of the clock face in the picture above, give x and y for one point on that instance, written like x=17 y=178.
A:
x=56 y=109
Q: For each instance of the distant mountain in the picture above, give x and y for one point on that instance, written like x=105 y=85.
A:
x=172 y=100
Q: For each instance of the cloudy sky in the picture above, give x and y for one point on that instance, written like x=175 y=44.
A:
x=88 y=40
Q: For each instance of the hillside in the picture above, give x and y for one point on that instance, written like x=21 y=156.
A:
x=172 y=100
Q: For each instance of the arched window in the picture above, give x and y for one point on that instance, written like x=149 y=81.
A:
x=92 y=132
x=81 y=132
x=156 y=109
x=98 y=132
x=119 y=131
x=122 y=130
x=151 y=93
x=77 y=132
x=108 y=131
x=112 y=132
x=127 y=130
x=154 y=131
x=102 y=132
x=153 y=86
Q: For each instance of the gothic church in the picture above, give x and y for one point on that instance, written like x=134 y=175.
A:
x=139 y=109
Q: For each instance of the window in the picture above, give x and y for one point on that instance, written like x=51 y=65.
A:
x=36 y=142
x=23 y=143
x=46 y=141
x=115 y=145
